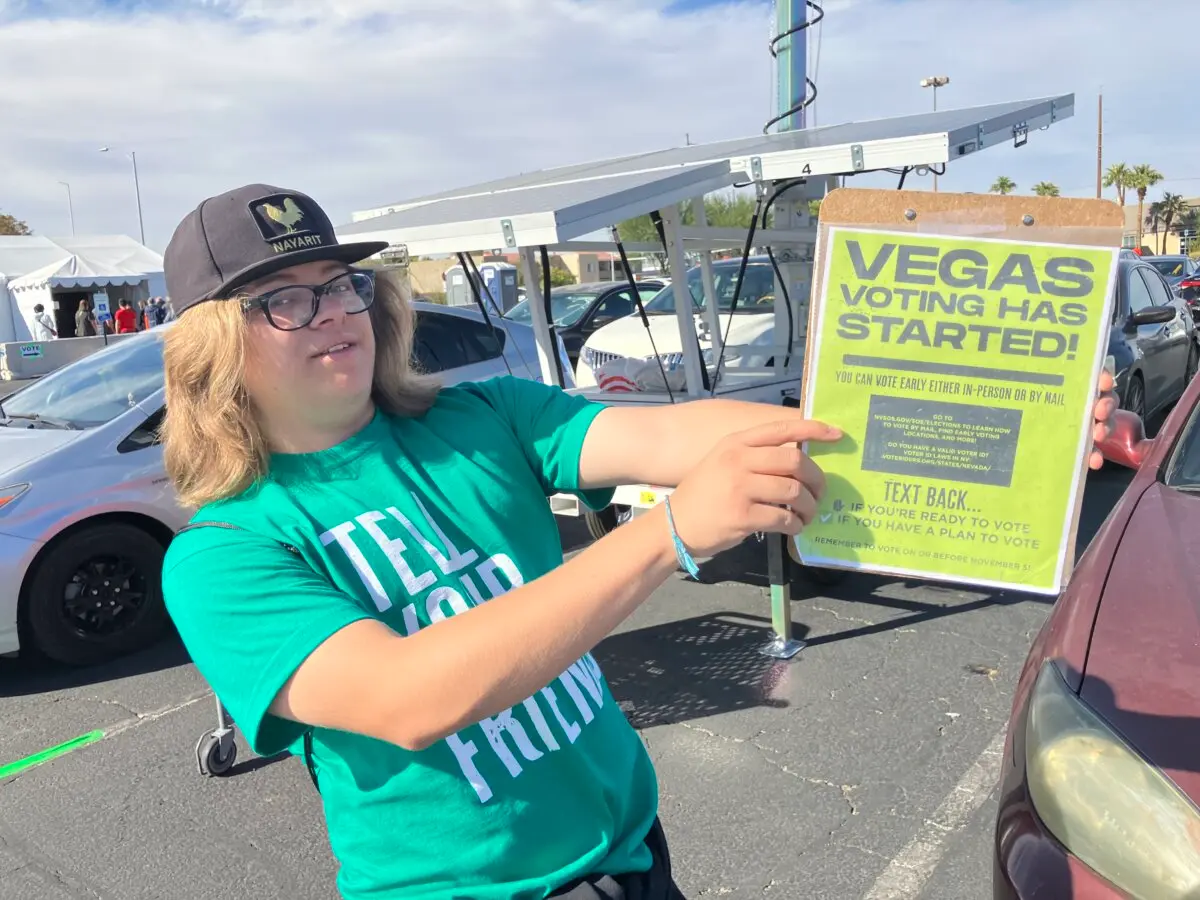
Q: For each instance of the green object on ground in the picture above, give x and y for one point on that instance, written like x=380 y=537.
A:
x=36 y=759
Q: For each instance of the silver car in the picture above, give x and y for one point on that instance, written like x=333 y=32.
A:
x=86 y=511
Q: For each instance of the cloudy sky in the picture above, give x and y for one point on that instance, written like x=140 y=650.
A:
x=366 y=102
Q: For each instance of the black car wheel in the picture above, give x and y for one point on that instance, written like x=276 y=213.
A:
x=1135 y=397
x=97 y=595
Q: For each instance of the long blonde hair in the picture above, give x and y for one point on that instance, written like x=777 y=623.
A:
x=213 y=447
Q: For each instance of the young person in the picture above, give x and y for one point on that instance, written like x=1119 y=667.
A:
x=374 y=578
x=125 y=318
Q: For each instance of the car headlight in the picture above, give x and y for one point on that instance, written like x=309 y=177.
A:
x=1105 y=803
x=11 y=493
x=709 y=358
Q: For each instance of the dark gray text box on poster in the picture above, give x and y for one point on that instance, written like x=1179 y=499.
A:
x=948 y=441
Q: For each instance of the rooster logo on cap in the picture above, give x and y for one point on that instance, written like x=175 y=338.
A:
x=289 y=217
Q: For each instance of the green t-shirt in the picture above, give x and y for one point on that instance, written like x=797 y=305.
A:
x=410 y=521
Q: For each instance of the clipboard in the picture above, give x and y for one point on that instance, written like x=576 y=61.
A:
x=949 y=455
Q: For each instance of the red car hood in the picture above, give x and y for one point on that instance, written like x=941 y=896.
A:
x=1143 y=665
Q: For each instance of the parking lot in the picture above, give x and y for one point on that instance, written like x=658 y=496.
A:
x=864 y=767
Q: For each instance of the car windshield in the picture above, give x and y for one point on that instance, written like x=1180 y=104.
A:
x=1183 y=467
x=1169 y=267
x=95 y=389
x=758 y=290
x=566 y=306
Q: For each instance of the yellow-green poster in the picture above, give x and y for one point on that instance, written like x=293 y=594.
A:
x=963 y=373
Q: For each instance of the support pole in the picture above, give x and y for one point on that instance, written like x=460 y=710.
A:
x=532 y=271
x=791 y=62
x=685 y=310
x=712 y=314
x=791 y=88
x=782 y=645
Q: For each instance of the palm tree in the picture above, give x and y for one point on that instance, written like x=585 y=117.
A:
x=1188 y=226
x=1046 y=189
x=1003 y=185
x=1141 y=178
x=1153 y=221
x=1117 y=177
x=1170 y=210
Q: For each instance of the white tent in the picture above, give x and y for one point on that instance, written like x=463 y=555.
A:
x=36 y=269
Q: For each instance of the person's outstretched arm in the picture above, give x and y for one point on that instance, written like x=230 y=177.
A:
x=661 y=444
x=413 y=691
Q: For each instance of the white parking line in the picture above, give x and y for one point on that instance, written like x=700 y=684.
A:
x=907 y=874
x=143 y=718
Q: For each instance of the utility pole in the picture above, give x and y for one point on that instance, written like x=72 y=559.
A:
x=935 y=82
x=137 y=190
x=1100 y=145
x=70 y=206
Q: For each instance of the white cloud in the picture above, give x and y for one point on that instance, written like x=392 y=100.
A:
x=361 y=104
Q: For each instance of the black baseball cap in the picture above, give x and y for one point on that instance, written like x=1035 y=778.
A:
x=246 y=234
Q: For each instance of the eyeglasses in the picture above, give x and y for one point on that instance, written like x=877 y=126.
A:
x=295 y=306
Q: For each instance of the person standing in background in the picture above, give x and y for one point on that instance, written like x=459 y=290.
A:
x=43 y=325
x=85 y=322
x=125 y=318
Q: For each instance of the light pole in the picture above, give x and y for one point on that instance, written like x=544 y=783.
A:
x=935 y=82
x=137 y=191
x=70 y=206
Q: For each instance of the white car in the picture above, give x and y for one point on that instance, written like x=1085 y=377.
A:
x=86 y=511
x=750 y=333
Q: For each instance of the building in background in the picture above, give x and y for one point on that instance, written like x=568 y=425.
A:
x=1182 y=237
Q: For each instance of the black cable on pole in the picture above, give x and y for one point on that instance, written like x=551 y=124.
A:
x=516 y=344
x=546 y=285
x=775 y=265
x=737 y=290
x=809 y=98
x=656 y=220
x=637 y=300
x=467 y=271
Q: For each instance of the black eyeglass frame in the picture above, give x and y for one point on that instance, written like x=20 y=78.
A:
x=263 y=301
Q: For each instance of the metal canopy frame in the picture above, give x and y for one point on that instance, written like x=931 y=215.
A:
x=902 y=141
x=551 y=214
x=568 y=208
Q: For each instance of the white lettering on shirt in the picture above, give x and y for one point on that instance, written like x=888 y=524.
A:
x=590 y=682
x=464 y=751
x=571 y=729
x=447 y=595
x=495 y=727
x=505 y=732
x=487 y=571
x=567 y=679
x=411 y=623
x=540 y=723
x=453 y=559
x=341 y=534
x=469 y=583
x=393 y=549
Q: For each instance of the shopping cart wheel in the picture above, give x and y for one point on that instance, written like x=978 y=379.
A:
x=216 y=752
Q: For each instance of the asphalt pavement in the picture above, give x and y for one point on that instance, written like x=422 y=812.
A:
x=863 y=768
x=10 y=387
